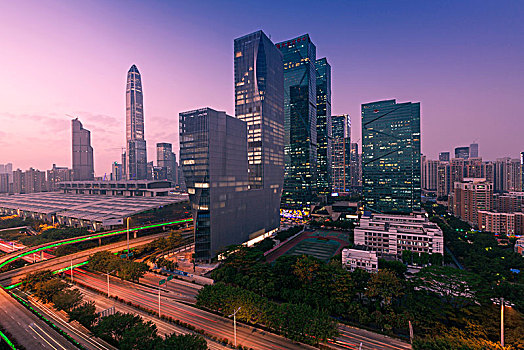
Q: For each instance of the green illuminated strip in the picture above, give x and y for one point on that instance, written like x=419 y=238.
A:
x=54 y=273
x=88 y=238
x=69 y=267
x=6 y=339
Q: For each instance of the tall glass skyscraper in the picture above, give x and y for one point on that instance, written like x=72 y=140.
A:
x=136 y=153
x=300 y=122
x=259 y=101
x=324 y=129
x=341 y=126
x=83 y=167
x=391 y=156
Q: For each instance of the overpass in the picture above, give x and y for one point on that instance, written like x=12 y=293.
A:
x=9 y=258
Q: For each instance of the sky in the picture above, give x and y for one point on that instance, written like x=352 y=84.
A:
x=462 y=60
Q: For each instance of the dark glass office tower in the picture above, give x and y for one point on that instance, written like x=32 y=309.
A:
x=324 y=129
x=443 y=156
x=83 y=166
x=300 y=122
x=213 y=155
x=341 y=126
x=259 y=101
x=462 y=152
x=136 y=153
x=391 y=156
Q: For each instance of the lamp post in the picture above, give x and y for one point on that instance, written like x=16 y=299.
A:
x=234 y=314
x=127 y=219
x=503 y=303
x=72 y=270
x=108 y=281
x=502 y=322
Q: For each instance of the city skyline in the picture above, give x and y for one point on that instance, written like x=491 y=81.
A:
x=443 y=76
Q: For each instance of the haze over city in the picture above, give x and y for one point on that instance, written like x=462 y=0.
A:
x=462 y=61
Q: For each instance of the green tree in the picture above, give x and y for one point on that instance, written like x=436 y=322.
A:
x=67 y=299
x=306 y=268
x=385 y=286
x=45 y=291
x=184 y=342
x=85 y=314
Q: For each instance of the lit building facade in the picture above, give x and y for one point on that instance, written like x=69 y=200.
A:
x=300 y=122
x=469 y=197
x=136 y=152
x=324 y=128
x=391 y=156
x=341 y=131
x=353 y=259
x=83 y=166
x=214 y=160
x=389 y=235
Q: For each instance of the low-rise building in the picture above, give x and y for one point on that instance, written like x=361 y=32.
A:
x=519 y=246
x=509 y=224
x=353 y=259
x=389 y=235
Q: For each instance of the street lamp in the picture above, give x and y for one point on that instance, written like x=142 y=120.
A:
x=127 y=219
x=234 y=314
x=502 y=303
x=108 y=281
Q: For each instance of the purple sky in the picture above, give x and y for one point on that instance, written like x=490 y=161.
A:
x=464 y=61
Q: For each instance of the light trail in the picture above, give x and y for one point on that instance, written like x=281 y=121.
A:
x=88 y=238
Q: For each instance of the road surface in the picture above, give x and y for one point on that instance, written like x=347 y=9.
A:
x=27 y=329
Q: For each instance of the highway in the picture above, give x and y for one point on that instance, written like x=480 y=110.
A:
x=164 y=327
x=14 y=276
x=211 y=323
x=144 y=296
x=28 y=330
x=6 y=259
x=61 y=320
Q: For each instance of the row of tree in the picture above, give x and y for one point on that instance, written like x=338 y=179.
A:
x=125 y=331
x=108 y=262
x=298 y=322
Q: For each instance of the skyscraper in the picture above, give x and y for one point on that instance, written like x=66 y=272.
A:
x=355 y=163
x=136 y=153
x=165 y=159
x=391 y=156
x=474 y=150
x=324 y=130
x=462 y=152
x=213 y=154
x=300 y=122
x=341 y=126
x=83 y=167
x=259 y=101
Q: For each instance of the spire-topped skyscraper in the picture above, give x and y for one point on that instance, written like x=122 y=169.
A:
x=136 y=154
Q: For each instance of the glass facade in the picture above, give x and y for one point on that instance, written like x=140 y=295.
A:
x=136 y=162
x=259 y=100
x=341 y=126
x=324 y=128
x=462 y=152
x=300 y=122
x=391 y=156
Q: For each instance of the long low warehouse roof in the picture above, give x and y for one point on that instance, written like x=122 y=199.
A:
x=86 y=207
